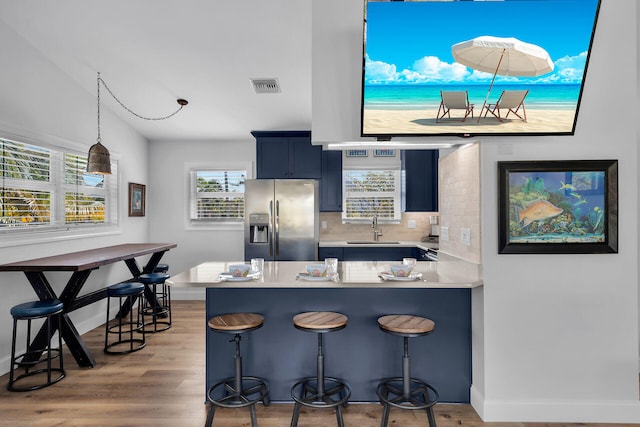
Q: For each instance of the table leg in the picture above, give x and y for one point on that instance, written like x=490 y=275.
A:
x=72 y=338
x=134 y=268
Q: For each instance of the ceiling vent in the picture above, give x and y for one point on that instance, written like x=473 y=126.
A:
x=265 y=85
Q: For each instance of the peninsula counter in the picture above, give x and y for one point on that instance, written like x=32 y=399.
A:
x=361 y=354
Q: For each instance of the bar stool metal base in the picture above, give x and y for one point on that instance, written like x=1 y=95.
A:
x=307 y=393
x=238 y=391
x=420 y=396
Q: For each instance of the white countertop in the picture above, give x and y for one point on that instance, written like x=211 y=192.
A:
x=352 y=274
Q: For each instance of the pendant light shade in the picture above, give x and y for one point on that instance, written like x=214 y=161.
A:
x=99 y=160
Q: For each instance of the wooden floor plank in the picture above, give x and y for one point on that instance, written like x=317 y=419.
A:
x=163 y=386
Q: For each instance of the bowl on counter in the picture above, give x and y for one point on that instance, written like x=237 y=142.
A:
x=239 y=270
x=317 y=270
x=401 y=270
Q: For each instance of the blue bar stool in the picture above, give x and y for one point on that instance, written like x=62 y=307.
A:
x=161 y=268
x=157 y=301
x=126 y=291
x=406 y=392
x=319 y=391
x=238 y=391
x=31 y=357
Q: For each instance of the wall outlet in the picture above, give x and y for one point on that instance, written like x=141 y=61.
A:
x=323 y=224
x=465 y=236
x=411 y=223
x=444 y=234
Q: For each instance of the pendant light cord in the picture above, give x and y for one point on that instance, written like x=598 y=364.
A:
x=181 y=102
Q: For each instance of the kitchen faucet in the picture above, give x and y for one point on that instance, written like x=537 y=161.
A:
x=376 y=232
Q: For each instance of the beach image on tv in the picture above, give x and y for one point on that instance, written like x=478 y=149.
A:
x=557 y=207
x=475 y=67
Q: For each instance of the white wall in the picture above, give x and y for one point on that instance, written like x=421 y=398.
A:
x=38 y=101
x=555 y=336
x=168 y=196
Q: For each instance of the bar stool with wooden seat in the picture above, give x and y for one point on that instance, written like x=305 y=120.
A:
x=406 y=392
x=31 y=357
x=157 y=302
x=320 y=391
x=240 y=390
x=125 y=292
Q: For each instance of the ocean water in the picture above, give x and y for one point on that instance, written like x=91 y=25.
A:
x=414 y=97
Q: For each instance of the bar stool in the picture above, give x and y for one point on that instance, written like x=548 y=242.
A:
x=240 y=390
x=406 y=392
x=161 y=268
x=32 y=357
x=318 y=391
x=127 y=291
x=158 y=301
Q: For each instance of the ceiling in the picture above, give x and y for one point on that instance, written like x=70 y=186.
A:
x=152 y=52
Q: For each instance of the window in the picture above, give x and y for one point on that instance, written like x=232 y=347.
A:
x=217 y=195
x=49 y=189
x=371 y=192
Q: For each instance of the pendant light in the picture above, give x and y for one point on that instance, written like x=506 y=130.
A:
x=99 y=159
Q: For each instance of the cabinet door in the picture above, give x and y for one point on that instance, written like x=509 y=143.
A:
x=330 y=252
x=305 y=158
x=421 y=169
x=377 y=254
x=331 y=182
x=272 y=155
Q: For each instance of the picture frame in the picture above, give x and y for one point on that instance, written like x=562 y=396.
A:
x=384 y=153
x=558 y=207
x=137 y=199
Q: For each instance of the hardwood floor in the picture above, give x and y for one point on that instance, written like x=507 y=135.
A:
x=163 y=386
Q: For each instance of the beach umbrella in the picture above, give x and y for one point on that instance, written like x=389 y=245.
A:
x=505 y=56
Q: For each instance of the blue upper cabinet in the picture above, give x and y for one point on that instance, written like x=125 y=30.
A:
x=287 y=155
x=331 y=184
x=421 y=174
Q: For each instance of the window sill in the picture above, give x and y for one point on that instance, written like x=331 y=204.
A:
x=39 y=237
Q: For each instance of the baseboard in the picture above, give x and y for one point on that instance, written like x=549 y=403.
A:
x=568 y=411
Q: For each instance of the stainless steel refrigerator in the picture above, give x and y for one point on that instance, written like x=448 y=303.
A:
x=281 y=219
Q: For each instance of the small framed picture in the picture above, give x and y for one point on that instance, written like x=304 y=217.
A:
x=356 y=153
x=137 y=199
x=384 y=153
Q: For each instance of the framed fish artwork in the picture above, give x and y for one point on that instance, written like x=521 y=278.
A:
x=558 y=207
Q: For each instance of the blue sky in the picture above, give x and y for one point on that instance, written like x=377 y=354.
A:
x=410 y=42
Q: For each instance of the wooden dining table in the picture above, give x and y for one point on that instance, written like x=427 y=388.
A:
x=81 y=264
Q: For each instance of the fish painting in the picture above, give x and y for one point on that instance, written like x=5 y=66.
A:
x=537 y=210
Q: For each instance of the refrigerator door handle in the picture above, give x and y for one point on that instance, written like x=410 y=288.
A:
x=277 y=227
x=271 y=228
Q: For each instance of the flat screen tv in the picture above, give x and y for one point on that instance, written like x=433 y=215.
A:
x=467 y=68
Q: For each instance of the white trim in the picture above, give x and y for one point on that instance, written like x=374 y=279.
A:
x=557 y=411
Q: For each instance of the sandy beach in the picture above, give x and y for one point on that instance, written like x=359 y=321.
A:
x=424 y=121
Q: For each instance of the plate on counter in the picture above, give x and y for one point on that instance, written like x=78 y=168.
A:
x=229 y=277
x=310 y=278
x=386 y=275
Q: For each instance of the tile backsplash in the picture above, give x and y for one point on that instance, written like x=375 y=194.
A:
x=336 y=230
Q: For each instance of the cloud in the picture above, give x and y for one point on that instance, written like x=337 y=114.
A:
x=570 y=69
x=431 y=69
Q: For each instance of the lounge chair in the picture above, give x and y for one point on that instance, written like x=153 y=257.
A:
x=454 y=100
x=510 y=101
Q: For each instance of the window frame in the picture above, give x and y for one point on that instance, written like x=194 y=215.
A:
x=214 y=223
x=58 y=228
x=396 y=193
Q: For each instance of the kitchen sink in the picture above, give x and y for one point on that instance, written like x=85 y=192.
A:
x=370 y=242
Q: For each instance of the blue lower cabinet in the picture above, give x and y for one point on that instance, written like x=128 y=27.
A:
x=368 y=253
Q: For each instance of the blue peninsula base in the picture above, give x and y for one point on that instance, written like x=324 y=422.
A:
x=361 y=354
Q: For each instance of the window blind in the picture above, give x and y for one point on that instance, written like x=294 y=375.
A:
x=217 y=195
x=369 y=193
